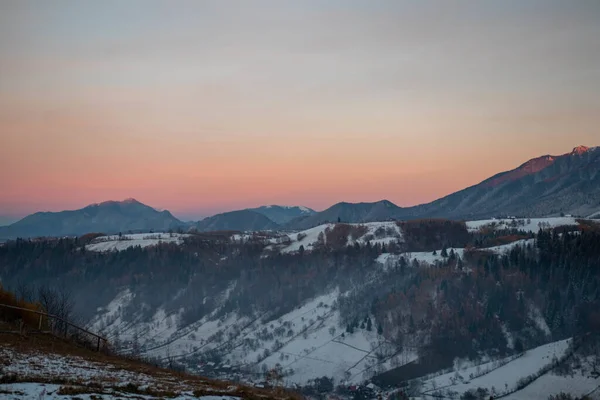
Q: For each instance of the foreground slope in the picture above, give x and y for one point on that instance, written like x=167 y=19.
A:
x=43 y=366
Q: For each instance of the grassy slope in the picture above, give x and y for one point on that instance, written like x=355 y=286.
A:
x=48 y=359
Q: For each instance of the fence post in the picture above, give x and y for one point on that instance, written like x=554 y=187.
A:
x=40 y=325
x=98 y=348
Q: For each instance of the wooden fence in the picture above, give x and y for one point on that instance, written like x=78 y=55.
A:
x=99 y=339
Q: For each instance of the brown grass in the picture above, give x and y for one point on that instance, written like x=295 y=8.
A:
x=170 y=380
x=29 y=318
x=588 y=225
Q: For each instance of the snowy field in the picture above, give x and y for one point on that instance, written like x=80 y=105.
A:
x=501 y=379
x=506 y=248
x=116 y=243
x=376 y=232
x=323 y=348
x=308 y=342
x=550 y=384
x=525 y=224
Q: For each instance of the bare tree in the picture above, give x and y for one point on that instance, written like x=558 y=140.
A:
x=25 y=291
x=58 y=302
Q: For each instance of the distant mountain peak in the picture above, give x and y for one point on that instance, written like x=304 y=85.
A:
x=281 y=214
x=107 y=217
x=579 y=150
x=129 y=200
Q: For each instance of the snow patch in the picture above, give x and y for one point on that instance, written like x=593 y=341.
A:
x=503 y=378
x=524 y=224
x=123 y=242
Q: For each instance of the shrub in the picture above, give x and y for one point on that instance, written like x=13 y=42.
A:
x=29 y=318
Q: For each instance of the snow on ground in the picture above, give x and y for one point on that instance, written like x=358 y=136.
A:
x=506 y=248
x=321 y=347
x=307 y=238
x=424 y=257
x=502 y=378
x=110 y=380
x=549 y=384
x=536 y=316
x=309 y=342
x=594 y=215
x=116 y=243
x=31 y=366
x=525 y=224
x=43 y=391
x=376 y=232
x=161 y=336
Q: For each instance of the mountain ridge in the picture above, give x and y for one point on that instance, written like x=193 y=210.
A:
x=107 y=217
x=568 y=183
x=283 y=214
x=542 y=186
x=238 y=220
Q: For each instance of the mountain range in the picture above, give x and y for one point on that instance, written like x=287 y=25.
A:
x=544 y=186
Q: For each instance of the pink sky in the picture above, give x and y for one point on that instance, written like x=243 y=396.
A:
x=206 y=108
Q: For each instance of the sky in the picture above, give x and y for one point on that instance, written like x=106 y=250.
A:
x=206 y=106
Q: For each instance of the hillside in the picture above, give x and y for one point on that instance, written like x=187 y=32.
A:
x=123 y=242
x=283 y=214
x=333 y=301
x=541 y=187
x=107 y=217
x=43 y=366
x=385 y=303
x=548 y=185
x=241 y=220
x=349 y=213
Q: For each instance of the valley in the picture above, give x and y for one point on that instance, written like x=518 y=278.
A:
x=346 y=304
